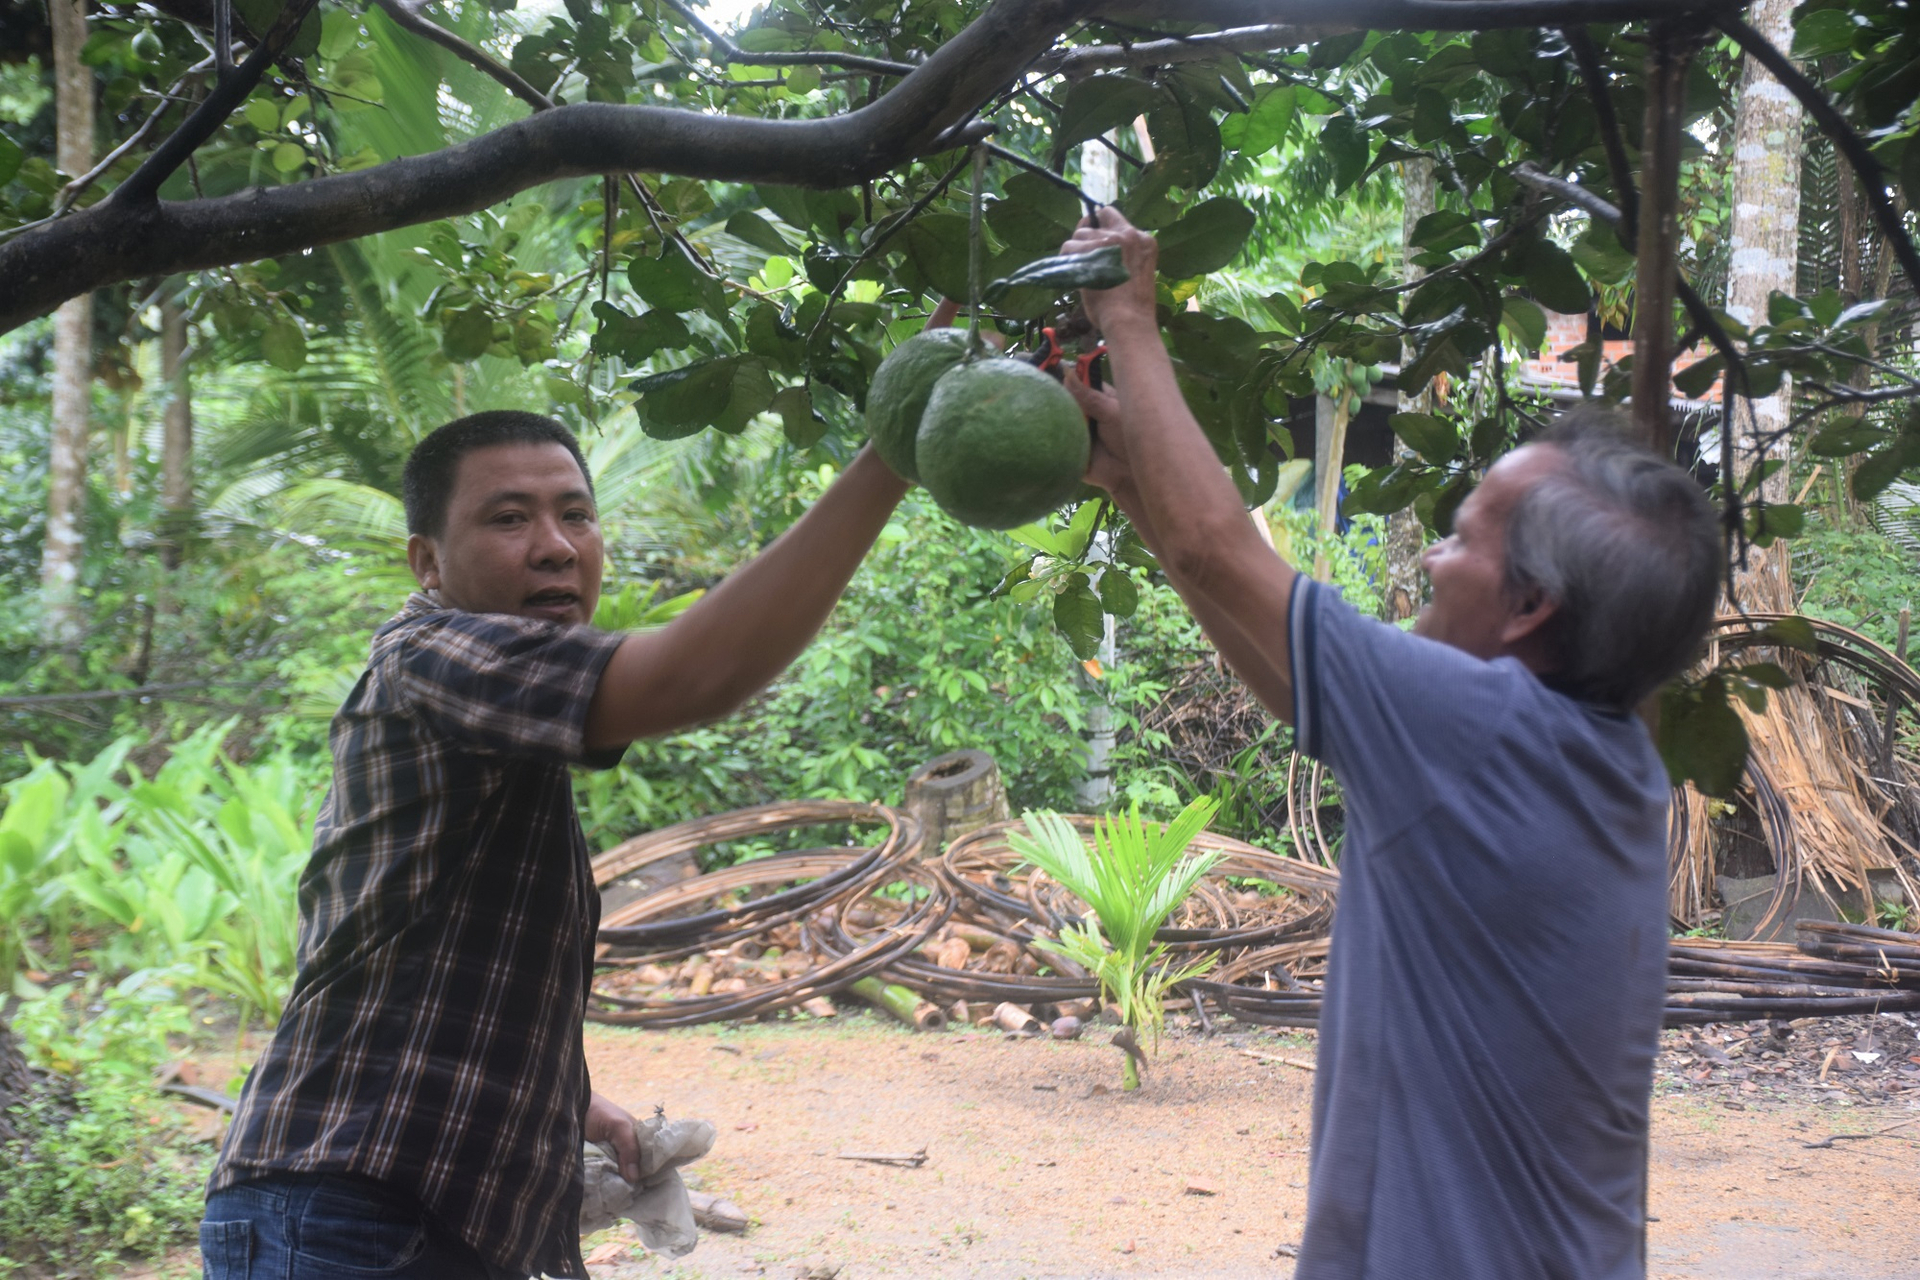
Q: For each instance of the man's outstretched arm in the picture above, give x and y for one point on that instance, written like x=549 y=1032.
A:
x=1158 y=465
x=735 y=640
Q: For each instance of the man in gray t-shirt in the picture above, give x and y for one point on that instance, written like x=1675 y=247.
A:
x=1499 y=956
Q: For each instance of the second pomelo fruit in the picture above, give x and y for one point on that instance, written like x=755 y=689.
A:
x=1001 y=444
x=901 y=386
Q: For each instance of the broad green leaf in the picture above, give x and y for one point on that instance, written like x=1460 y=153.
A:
x=1774 y=520
x=1220 y=346
x=1600 y=254
x=936 y=245
x=1260 y=130
x=262 y=114
x=1524 y=320
x=1347 y=147
x=467 y=335
x=1099 y=103
x=1118 y=595
x=1186 y=141
x=757 y=231
x=1445 y=230
x=1051 y=200
x=1820 y=32
x=283 y=344
x=1793 y=633
x=672 y=283
x=802 y=425
x=1206 y=238
x=1694 y=380
x=288 y=156
x=1845 y=436
x=261 y=14
x=1883 y=466
x=802 y=80
x=1554 y=280
x=1768 y=674
x=682 y=401
x=1078 y=616
x=1434 y=439
x=1099 y=269
x=1701 y=737
x=635 y=339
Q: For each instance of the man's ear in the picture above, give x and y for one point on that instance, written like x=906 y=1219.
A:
x=423 y=557
x=1524 y=624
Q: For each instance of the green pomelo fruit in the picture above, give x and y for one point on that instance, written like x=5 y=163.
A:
x=899 y=393
x=1001 y=444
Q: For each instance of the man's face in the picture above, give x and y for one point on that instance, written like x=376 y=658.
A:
x=522 y=536
x=1470 y=609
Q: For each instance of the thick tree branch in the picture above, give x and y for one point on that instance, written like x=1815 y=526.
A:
x=726 y=50
x=1656 y=239
x=229 y=91
x=122 y=239
x=406 y=14
x=1414 y=15
x=1873 y=179
x=1175 y=49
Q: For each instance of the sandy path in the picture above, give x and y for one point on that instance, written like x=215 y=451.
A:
x=1036 y=1170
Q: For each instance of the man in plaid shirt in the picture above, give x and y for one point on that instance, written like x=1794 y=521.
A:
x=421 y=1109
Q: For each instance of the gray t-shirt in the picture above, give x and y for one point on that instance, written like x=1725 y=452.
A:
x=1499 y=960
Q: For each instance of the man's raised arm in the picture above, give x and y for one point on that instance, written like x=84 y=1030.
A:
x=1154 y=459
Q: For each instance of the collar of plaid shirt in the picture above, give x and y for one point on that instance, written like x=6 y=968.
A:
x=433 y=1039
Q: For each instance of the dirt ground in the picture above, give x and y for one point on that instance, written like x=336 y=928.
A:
x=1036 y=1166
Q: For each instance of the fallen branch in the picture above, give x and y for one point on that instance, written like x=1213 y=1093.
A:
x=910 y=1160
x=1281 y=1059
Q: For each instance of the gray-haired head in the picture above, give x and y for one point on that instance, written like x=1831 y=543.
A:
x=1628 y=546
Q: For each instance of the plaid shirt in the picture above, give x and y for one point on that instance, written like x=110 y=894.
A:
x=433 y=1037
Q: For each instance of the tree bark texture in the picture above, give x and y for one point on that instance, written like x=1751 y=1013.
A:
x=141 y=237
x=1765 y=231
x=1405 y=538
x=176 y=449
x=72 y=345
x=1668 y=52
x=16 y=1081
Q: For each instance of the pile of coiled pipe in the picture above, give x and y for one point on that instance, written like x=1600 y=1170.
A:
x=809 y=886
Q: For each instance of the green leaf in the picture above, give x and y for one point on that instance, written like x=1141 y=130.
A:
x=1768 y=674
x=1775 y=520
x=1600 y=254
x=1186 y=141
x=1845 y=436
x=802 y=80
x=1444 y=231
x=1820 y=32
x=285 y=346
x=1099 y=269
x=1525 y=321
x=1035 y=216
x=757 y=231
x=803 y=426
x=1078 y=616
x=11 y=158
x=1260 y=130
x=1347 y=148
x=1694 y=380
x=262 y=114
x=467 y=335
x=672 y=283
x=936 y=245
x=1099 y=103
x=1701 y=737
x=288 y=156
x=1793 y=633
x=1206 y=238
x=681 y=401
x=1118 y=595
x=260 y=15
x=1554 y=280
x=1882 y=467
x=1434 y=439
x=635 y=339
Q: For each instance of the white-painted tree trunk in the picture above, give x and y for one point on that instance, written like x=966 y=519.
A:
x=1100 y=178
x=1405 y=537
x=1765 y=230
x=72 y=345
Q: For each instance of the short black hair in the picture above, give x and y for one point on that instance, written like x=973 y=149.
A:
x=426 y=486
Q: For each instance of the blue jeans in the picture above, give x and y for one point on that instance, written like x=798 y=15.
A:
x=320 y=1226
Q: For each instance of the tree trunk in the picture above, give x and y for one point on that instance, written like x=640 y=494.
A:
x=72 y=345
x=1765 y=231
x=176 y=450
x=1669 y=50
x=1404 y=534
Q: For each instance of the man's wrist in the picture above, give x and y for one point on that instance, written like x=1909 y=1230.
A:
x=1129 y=328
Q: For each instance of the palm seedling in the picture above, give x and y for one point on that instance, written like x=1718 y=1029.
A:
x=1132 y=877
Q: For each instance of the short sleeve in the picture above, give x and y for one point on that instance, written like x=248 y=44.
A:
x=1396 y=716
x=506 y=686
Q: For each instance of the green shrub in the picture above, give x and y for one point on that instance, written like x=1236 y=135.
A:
x=97 y=1173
